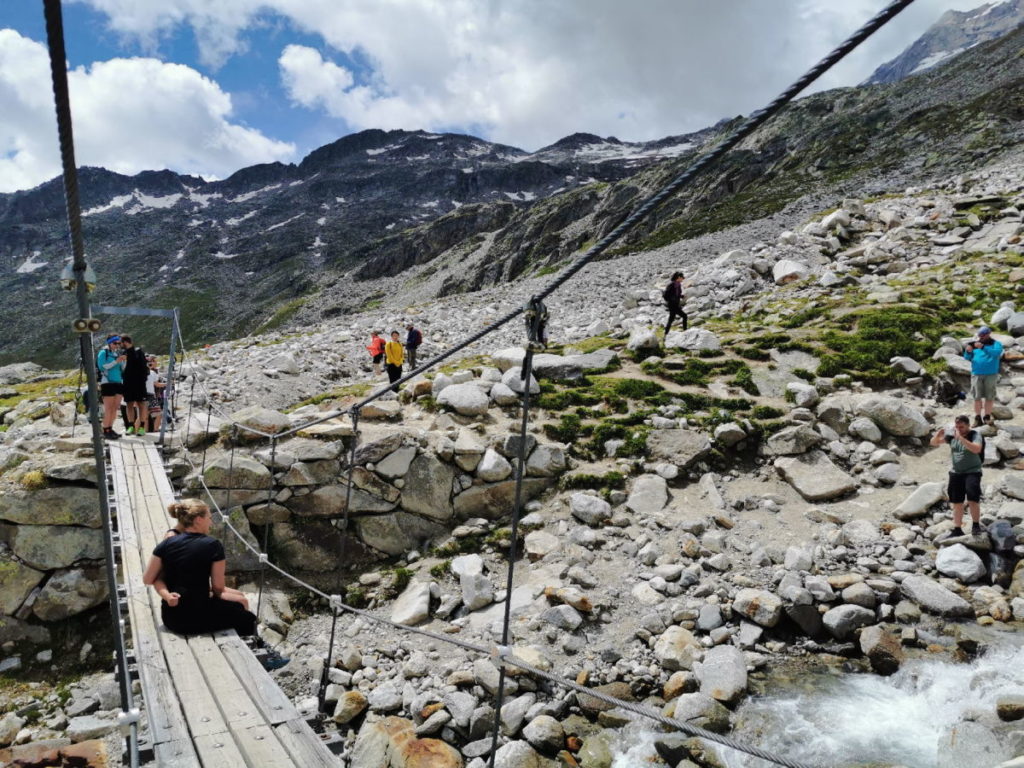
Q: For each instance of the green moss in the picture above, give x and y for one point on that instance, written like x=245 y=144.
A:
x=744 y=379
x=763 y=412
x=399 y=580
x=359 y=389
x=566 y=431
x=32 y=480
x=283 y=314
x=440 y=570
x=609 y=480
x=594 y=343
x=751 y=353
x=803 y=373
x=356 y=596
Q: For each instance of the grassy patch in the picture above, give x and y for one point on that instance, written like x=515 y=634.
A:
x=442 y=569
x=32 y=480
x=594 y=343
x=765 y=412
x=282 y=315
x=609 y=480
x=744 y=379
x=358 y=389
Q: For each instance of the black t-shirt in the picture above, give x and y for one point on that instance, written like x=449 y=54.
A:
x=187 y=559
x=135 y=368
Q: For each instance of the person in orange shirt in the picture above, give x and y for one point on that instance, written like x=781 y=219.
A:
x=376 y=350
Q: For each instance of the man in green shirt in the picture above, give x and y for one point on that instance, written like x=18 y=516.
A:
x=966 y=446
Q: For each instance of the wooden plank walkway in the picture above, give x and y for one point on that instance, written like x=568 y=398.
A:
x=208 y=700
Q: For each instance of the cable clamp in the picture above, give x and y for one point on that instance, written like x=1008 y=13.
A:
x=336 y=603
x=127 y=719
x=499 y=654
x=263 y=557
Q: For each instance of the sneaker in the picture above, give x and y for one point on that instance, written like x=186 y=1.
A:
x=956 y=532
x=989 y=420
x=274 y=660
x=977 y=420
x=140 y=431
x=110 y=434
x=977 y=530
x=130 y=431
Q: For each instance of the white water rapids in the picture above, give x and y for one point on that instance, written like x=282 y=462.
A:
x=842 y=721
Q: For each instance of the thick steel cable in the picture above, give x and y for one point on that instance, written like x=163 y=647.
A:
x=65 y=135
x=517 y=505
x=266 y=525
x=191 y=398
x=206 y=437
x=325 y=676
x=502 y=656
x=351 y=468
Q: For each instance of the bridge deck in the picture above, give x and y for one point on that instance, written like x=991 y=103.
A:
x=208 y=700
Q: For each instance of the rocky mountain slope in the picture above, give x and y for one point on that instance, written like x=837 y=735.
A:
x=954 y=33
x=394 y=219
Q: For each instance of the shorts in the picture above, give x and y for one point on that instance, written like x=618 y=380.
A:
x=155 y=404
x=983 y=387
x=135 y=393
x=110 y=388
x=963 y=485
x=378 y=358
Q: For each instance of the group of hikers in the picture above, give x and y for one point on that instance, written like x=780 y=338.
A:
x=130 y=383
x=392 y=353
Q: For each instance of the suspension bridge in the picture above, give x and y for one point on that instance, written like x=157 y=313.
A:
x=207 y=699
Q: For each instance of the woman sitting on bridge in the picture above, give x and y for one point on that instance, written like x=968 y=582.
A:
x=188 y=573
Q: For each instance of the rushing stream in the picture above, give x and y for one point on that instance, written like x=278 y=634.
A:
x=842 y=721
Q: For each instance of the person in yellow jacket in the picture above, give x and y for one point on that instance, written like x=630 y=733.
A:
x=394 y=356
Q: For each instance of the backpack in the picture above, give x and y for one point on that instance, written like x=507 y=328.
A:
x=668 y=295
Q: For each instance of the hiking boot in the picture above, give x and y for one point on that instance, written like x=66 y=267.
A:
x=976 y=529
x=977 y=420
x=956 y=532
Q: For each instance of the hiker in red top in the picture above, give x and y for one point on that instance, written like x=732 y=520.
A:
x=376 y=350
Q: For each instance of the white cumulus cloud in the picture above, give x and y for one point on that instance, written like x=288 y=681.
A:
x=129 y=115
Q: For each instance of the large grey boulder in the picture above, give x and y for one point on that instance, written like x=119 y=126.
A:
x=63 y=505
x=17 y=580
x=843 y=621
x=493 y=467
x=465 y=399
x=793 y=441
x=71 y=592
x=263 y=419
x=814 y=476
x=894 y=416
x=412 y=606
x=495 y=500
x=700 y=710
x=55 y=546
x=428 y=488
x=723 y=674
x=924 y=497
x=513 y=379
x=694 y=339
x=960 y=563
x=758 y=605
x=547 y=366
x=237 y=472
x=681 y=447
x=589 y=509
x=395 y=533
x=677 y=648
x=201 y=429
x=649 y=494
x=935 y=598
x=882 y=649
x=787 y=271
x=315 y=545
x=331 y=501
x=643 y=338
x=865 y=429
x=546 y=460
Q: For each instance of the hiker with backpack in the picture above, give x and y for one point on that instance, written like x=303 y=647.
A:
x=966 y=447
x=412 y=340
x=984 y=353
x=393 y=359
x=110 y=362
x=673 y=296
x=376 y=350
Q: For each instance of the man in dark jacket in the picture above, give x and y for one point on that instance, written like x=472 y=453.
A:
x=412 y=340
x=673 y=295
x=136 y=371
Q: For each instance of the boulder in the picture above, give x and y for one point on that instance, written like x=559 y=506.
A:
x=793 y=441
x=71 y=592
x=377 y=450
x=935 y=598
x=924 y=497
x=865 y=429
x=412 y=606
x=494 y=501
x=315 y=545
x=238 y=471
x=503 y=395
x=544 y=733
x=677 y=648
x=681 y=447
x=700 y=710
x=546 y=460
x=63 y=505
x=17 y=580
x=894 y=416
x=758 y=605
x=843 y=621
x=788 y=271
x=465 y=399
x=493 y=467
x=428 y=488
x=392 y=742
x=723 y=674
x=513 y=379
x=350 y=705
x=728 y=434
x=643 y=338
x=262 y=419
x=520 y=754
x=46 y=547
x=589 y=509
x=649 y=494
x=883 y=649
x=960 y=563
x=971 y=743
x=693 y=339
x=814 y=476
x=397 y=532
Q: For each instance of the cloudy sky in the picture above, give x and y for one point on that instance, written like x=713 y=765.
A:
x=210 y=86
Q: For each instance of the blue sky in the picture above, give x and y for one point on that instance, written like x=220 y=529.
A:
x=210 y=86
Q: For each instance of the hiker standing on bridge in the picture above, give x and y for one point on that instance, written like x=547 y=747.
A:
x=673 y=295
x=190 y=568
x=110 y=363
x=136 y=371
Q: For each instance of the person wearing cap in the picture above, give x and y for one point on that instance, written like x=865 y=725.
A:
x=412 y=341
x=984 y=353
x=110 y=364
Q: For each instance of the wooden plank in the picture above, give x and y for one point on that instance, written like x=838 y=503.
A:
x=272 y=702
x=201 y=710
x=261 y=747
x=220 y=750
x=305 y=747
x=177 y=754
x=238 y=709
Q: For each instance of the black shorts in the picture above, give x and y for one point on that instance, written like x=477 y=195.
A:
x=110 y=388
x=136 y=393
x=964 y=485
x=378 y=358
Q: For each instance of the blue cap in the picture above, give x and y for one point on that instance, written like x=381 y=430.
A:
x=113 y=339
x=983 y=330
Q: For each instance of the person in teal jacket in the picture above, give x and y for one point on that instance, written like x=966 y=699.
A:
x=984 y=353
x=110 y=364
